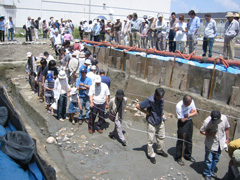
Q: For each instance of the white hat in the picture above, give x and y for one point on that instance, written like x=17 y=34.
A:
x=150 y=17
x=98 y=79
x=62 y=75
x=73 y=91
x=82 y=55
x=125 y=19
x=75 y=53
x=88 y=61
x=160 y=15
x=77 y=41
x=117 y=18
x=29 y=54
x=93 y=67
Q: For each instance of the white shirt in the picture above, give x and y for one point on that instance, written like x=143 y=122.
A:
x=99 y=93
x=74 y=98
x=180 y=35
x=182 y=110
x=210 y=29
x=213 y=142
x=161 y=26
x=92 y=76
x=74 y=65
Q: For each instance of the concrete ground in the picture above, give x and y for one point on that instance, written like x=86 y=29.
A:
x=79 y=155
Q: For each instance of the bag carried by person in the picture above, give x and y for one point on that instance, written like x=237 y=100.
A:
x=18 y=145
x=112 y=115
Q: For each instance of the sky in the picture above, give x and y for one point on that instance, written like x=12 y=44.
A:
x=184 y=6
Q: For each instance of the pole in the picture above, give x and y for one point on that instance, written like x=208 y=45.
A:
x=123 y=53
x=212 y=80
x=183 y=145
x=145 y=65
x=170 y=82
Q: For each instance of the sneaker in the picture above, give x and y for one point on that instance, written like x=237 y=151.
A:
x=152 y=160
x=191 y=159
x=207 y=178
x=111 y=135
x=204 y=55
x=90 y=131
x=162 y=153
x=61 y=119
x=214 y=175
x=180 y=162
x=124 y=143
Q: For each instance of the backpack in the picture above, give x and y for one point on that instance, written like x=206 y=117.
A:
x=24 y=26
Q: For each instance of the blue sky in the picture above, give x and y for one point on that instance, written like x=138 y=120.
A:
x=205 y=5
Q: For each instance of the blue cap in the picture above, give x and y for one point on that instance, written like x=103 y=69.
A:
x=83 y=70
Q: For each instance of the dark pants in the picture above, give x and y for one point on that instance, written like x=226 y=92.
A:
x=97 y=38
x=2 y=36
x=62 y=106
x=28 y=34
x=102 y=36
x=81 y=34
x=187 y=129
x=172 y=44
x=207 y=42
x=97 y=108
x=45 y=33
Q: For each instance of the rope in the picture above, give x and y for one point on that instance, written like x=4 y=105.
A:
x=224 y=62
x=184 y=56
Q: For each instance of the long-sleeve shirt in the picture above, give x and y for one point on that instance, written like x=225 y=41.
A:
x=194 y=24
x=161 y=26
x=2 y=27
x=28 y=24
x=135 y=25
x=96 y=30
x=173 y=23
x=118 y=26
x=210 y=29
x=231 y=29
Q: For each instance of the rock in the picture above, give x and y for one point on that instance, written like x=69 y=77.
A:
x=65 y=139
x=58 y=138
x=51 y=140
x=103 y=172
x=83 y=137
x=68 y=142
x=106 y=153
x=72 y=129
x=179 y=173
x=83 y=162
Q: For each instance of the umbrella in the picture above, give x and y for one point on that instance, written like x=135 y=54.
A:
x=101 y=17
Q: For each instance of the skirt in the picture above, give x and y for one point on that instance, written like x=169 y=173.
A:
x=73 y=107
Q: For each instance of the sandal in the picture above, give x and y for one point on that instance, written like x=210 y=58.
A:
x=73 y=122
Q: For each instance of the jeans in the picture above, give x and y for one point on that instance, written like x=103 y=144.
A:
x=187 y=129
x=172 y=44
x=62 y=106
x=85 y=102
x=10 y=31
x=211 y=160
x=208 y=42
x=28 y=34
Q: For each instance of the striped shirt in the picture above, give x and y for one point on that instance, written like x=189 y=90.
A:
x=50 y=85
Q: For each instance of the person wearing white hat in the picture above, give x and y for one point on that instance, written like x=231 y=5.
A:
x=86 y=66
x=98 y=94
x=151 y=33
x=74 y=105
x=92 y=74
x=61 y=90
x=107 y=34
x=74 y=68
x=230 y=33
x=161 y=33
x=117 y=30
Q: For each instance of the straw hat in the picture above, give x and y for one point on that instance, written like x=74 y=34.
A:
x=236 y=15
x=229 y=14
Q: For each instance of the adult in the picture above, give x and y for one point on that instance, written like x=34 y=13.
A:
x=92 y=74
x=117 y=30
x=96 y=31
x=81 y=30
x=117 y=106
x=98 y=94
x=83 y=85
x=61 y=92
x=31 y=70
x=48 y=56
x=2 y=29
x=102 y=30
x=57 y=23
x=125 y=31
x=236 y=16
x=185 y=110
x=230 y=33
x=134 y=32
x=216 y=129
x=52 y=33
x=209 y=35
x=57 y=41
x=36 y=28
x=10 y=27
x=143 y=33
x=51 y=68
x=181 y=34
x=86 y=66
x=45 y=29
x=153 y=108
x=28 y=29
x=161 y=33
x=74 y=68
x=234 y=163
x=40 y=69
x=67 y=36
x=151 y=33
x=104 y=78
x=172 y=32
x=193 y=27
x=65 y=59
x=130 y=17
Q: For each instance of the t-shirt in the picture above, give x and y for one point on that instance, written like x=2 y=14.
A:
x=74 y=98
x=181 y=36
x=106 y=80
x=65 y=59
x=83 y=67
x=50 y=85
x=94 y=62
x=99 y=93
x=92 y=76
x=182 y=110
x=85 y=81
x=53 y=71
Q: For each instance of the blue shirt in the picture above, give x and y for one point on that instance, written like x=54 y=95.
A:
x=85 y=81
x=194 y=24
x=106 y=80
x=83 y=67
x=96 y=30
x=155 y=108
x=2 y=28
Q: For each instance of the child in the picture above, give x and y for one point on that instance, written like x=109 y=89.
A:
x=74 y=105
x=49 y=95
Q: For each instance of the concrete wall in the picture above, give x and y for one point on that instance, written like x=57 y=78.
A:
x=186 y=79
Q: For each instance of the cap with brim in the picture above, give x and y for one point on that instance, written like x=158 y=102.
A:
x=215 y=115
x=73 y=91
x=101 y=71
x=98 y=79
x=120 y=93
x=236 y=157
x=160 y=15
x=229 y=14
x=62 y=75
x=75 y=53
x=88 y=61
x=82 y=55
x=150 y=17
x=77 y=40
x=87 y=53
x=83 y=70
x=29 y=54
x=93 y=67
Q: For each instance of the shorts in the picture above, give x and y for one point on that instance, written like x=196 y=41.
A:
x=73 y=107
x=49 y=100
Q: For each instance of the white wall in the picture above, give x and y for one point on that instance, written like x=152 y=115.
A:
x=79 y=9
